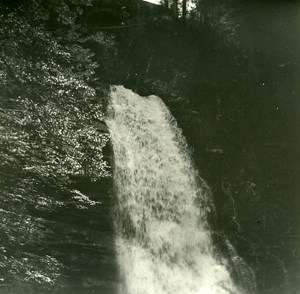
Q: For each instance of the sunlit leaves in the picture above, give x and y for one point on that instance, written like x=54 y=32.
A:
x=48 y=131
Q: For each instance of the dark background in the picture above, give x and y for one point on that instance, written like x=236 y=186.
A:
x=230 y=76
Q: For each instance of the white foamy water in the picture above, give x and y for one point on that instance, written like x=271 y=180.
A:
x=163 y=240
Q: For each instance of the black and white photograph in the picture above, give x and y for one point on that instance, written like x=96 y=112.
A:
x=149 y=147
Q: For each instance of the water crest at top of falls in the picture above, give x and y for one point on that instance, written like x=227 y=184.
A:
x=163 y=240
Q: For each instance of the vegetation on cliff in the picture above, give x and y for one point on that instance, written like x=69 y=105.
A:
x=57 y=61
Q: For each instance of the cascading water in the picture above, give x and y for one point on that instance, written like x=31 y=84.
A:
x=163 y=240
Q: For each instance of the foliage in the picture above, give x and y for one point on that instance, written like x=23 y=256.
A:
x=50 y=115
x=221 y=16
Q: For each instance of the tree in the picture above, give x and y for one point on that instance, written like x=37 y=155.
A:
x=184 y=9
x=49 y=112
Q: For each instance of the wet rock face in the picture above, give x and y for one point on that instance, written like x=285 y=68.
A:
x=66 y=249
x=83 y=240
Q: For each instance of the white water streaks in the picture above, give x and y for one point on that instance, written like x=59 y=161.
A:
x=163 y=240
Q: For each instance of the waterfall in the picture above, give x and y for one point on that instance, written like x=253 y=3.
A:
x=163 y=240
